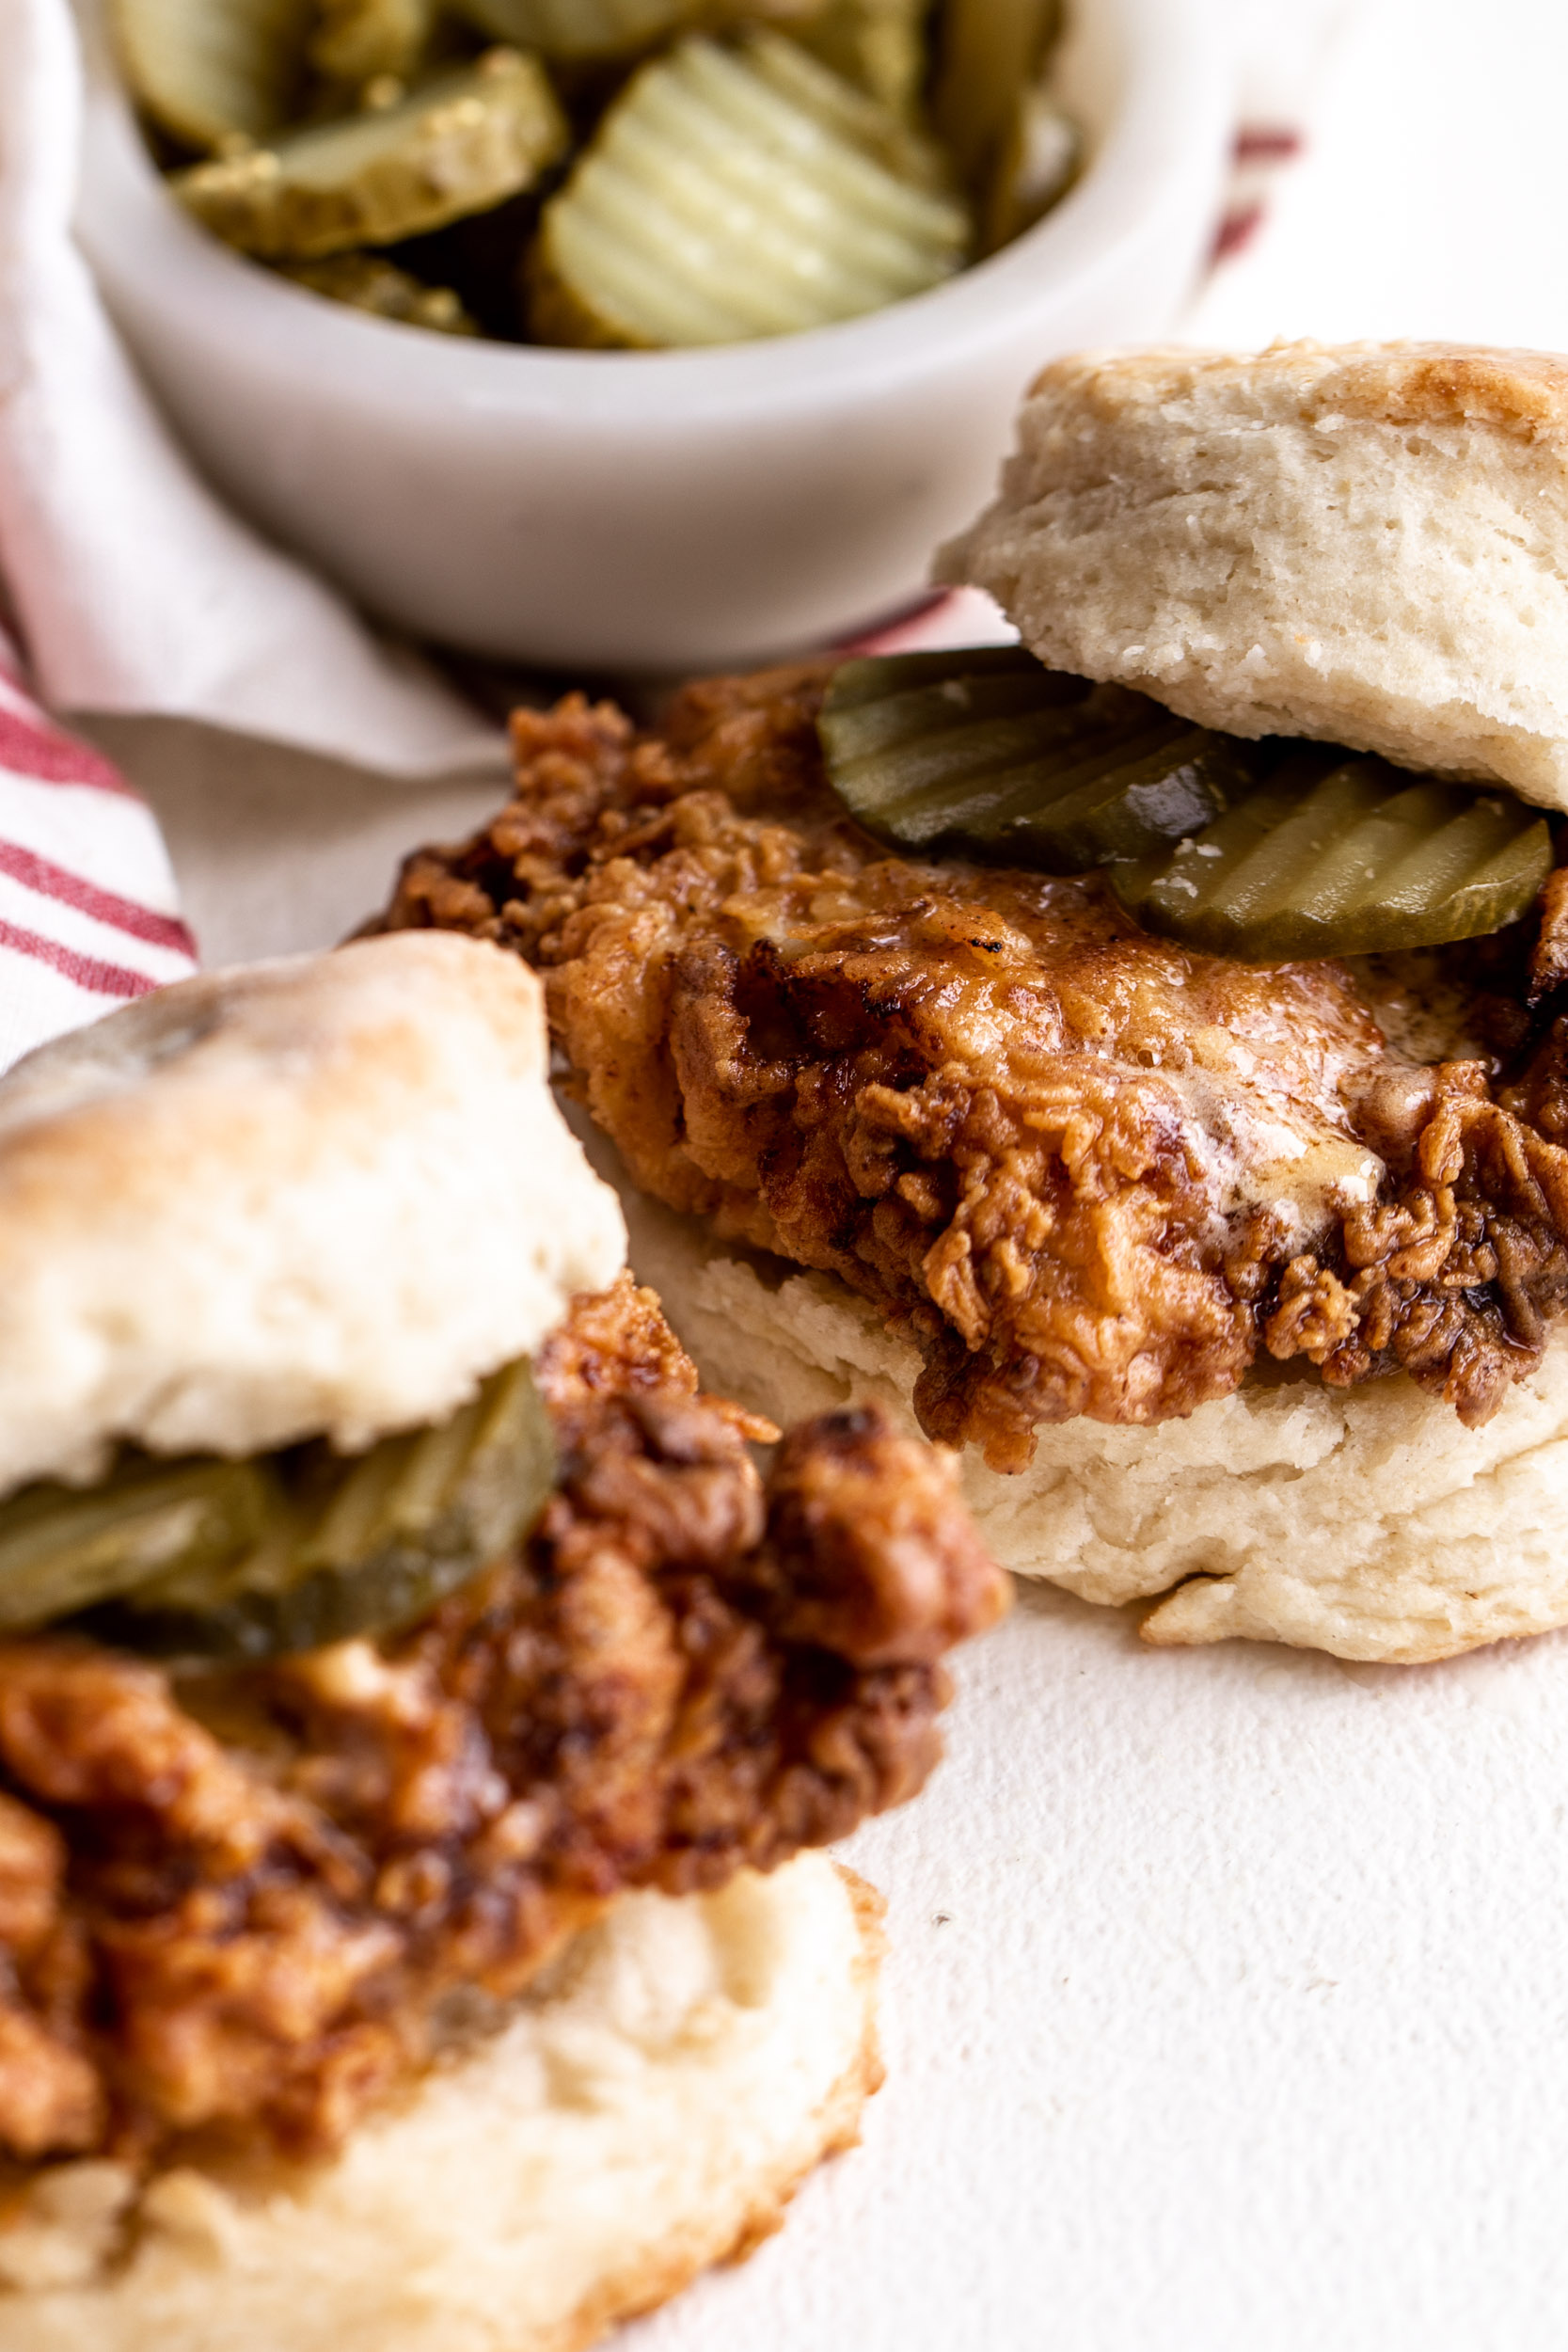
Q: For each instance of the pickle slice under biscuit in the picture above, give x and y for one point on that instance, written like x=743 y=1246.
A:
x=355 y=1546
x=212 y=73
x=719 y=202
x=984 y=753
x=466 y=142
x=64 y=1548
x=1338 y=856
x=1265 y=851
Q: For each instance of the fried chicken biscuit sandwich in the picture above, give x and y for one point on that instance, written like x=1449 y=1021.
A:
x=415 y=1708
x=1140 y=1057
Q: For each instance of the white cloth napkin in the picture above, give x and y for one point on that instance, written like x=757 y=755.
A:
x=88 y=919
x=132 y=588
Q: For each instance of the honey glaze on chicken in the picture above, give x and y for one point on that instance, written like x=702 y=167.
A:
x=1089 y=1171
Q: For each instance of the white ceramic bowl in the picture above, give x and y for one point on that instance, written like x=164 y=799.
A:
x=669 y=510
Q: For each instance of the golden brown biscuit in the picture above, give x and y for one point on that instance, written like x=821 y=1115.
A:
x=263 y=1205
x=1366 y=544
x=648 y=2111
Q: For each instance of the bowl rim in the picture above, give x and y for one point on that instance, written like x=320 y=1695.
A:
x=1171 y=115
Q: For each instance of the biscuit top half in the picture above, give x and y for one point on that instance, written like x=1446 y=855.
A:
x=315 y=1197
x=1366 y=544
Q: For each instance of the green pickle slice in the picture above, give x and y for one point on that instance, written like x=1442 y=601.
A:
x=879 y=46
x=463 y=143
x=214 y=71
x=843 y=102
x=735 y=193
x=1339 y=856
x=362 y=1546
x=63 y=1549
x=287 y=1551
x=991 y=52
x=1039 y=159
x=985 y=754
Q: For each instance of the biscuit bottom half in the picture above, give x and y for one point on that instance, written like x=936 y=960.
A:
x=1365 y=1521
x=645 y=2111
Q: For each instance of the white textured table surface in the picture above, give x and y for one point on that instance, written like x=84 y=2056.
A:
x=1227 y=2006
x=1225 y=2009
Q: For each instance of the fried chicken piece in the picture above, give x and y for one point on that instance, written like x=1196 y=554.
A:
x=1090 y=1172
x=241 y=1899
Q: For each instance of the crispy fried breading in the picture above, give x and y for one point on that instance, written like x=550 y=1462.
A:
x=241 y=1899
x=1090 y=1171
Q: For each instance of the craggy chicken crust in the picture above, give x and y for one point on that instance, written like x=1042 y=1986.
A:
x=1090 y=1171
x=245 y=1902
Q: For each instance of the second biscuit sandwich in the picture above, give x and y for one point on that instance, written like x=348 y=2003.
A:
x=1137 y=1060
x=418 y=1714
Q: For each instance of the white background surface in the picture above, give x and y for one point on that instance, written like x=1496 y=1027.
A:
x=1229 y=2003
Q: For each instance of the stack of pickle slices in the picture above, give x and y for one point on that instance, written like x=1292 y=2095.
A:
x=1265 y=851
x=606 y=174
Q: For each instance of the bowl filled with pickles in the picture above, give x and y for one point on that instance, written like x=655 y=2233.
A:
x=634 y=334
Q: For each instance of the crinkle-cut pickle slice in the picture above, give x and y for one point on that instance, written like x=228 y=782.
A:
x=362 y=1546
x=984 y=753
x=734 y=194
x=1338 y=855
x=209 y=72
x=283 y=1551
x=357 y=40
x=841 y=102
x=368 y=282
x=465 y=142
x=63 y=1549
x=878 y=45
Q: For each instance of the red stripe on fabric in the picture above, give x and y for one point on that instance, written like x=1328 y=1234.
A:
x=32 y=748
x=1235 y=231
x=103 y=980
x=104 y=906
x=1259 y=146
x=869 y=640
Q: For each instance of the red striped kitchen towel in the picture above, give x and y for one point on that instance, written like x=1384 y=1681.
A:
x=88 y=916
